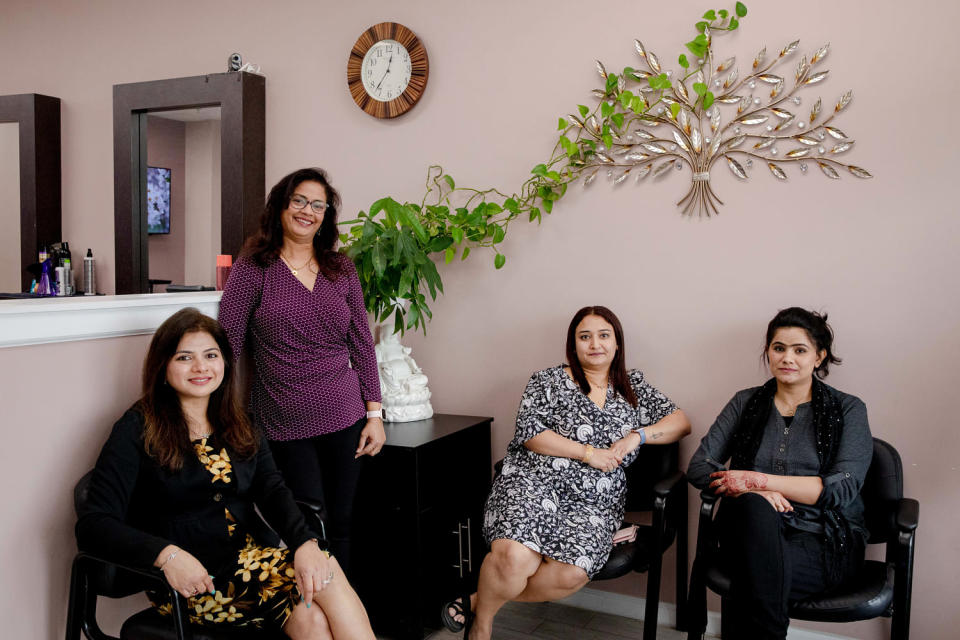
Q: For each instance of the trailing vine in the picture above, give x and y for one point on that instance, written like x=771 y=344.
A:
x=393 y=243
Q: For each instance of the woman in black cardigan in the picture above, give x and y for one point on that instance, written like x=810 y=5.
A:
x=176 y=486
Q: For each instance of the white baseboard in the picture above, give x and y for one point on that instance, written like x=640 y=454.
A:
x=620 y=604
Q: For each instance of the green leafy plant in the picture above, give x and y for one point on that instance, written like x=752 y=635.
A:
x=645 y=122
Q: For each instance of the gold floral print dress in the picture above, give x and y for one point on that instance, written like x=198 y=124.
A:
x=260 y=591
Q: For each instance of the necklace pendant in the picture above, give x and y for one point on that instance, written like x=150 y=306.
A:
x=293 y=271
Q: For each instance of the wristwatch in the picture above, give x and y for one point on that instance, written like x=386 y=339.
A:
x=375 y=414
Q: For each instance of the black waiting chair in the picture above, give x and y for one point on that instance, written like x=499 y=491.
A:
x=881 y=588
x=93 y=577
x=654 y=484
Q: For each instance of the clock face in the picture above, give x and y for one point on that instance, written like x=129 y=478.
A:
x=386 y=70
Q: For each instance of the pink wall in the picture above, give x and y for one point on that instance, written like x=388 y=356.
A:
x=166 y=147
x=694 y=294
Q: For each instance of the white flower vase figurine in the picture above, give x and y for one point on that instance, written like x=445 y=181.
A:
x=403 y=384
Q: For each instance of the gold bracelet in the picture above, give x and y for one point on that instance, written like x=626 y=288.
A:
x=587 y=454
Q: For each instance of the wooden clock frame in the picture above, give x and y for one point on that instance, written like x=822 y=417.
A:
x=420 y=70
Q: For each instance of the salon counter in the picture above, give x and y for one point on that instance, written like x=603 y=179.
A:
x=50 y=320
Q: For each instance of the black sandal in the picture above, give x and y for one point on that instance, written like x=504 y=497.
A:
x=461 y=607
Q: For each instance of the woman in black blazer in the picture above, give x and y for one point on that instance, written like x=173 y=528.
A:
x=176 y=486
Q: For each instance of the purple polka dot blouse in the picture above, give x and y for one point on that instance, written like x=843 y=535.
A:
x=304 y=343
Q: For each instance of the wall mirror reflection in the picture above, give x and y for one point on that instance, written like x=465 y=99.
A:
x=183 y=197
x=10 y=206
x=216 y=181
x=29 y=187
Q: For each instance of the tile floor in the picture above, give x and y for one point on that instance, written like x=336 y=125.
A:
x=550 y=621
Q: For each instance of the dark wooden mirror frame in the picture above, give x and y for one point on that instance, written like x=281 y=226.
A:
x=241 y=98
x=40 y=195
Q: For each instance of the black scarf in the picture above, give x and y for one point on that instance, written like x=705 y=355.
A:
x=827 y=424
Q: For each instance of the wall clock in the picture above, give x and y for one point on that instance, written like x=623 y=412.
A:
x=387 y=70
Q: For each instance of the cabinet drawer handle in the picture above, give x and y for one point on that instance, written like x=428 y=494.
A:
x=469 y=547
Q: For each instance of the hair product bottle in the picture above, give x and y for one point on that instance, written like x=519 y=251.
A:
x=89 y=275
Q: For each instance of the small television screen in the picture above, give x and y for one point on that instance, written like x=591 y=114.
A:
x=158 y=200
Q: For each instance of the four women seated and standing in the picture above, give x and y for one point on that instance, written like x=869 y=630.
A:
x=791 y=518
x=179 y=480
x=177 y=486
x=559 y=498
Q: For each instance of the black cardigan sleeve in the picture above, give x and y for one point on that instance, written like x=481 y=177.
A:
x=276 y=503
x=101 y=526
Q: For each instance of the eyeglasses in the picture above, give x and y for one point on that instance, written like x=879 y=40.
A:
x=298 y=202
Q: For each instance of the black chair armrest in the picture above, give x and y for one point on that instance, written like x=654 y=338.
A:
x=664 y=486
x=151 y=573
x=315 y=514
x=708 y=497
x=908 y=514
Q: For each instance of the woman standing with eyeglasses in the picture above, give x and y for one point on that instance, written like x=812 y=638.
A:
x=298 y=305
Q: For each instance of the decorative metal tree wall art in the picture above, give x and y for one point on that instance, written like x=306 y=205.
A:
x=667 y=123
x=644 y=123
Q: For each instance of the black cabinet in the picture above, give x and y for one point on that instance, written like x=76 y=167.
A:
x=419 y=515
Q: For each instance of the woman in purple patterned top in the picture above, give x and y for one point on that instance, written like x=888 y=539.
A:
x=316 y=392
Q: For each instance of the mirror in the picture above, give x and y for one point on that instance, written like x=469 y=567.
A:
x=10 y=206
x=36 y=212
x=183 y=197
x=240 y=98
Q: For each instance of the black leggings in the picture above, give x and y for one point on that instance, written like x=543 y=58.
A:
x=323 y=469
x=770 y=565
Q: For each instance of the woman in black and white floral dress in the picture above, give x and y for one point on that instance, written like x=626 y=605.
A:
x=555 y=506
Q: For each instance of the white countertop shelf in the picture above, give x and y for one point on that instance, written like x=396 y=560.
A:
x=45 y=320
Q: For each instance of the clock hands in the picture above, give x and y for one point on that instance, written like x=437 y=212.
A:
x=389 y=62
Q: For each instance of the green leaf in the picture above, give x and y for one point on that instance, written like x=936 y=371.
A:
x=723 y=13
x=553 y=175
x=675 y=109
x=683 y=61
x=406 y=281
x=696 y=48
x=741 y=9
x=379 y=260
x=379 y=206
x=583 y=110
x=449 y=180
x=398 y=321
x=606 y=109
x=710 y=15
x=701 y=39
x=628 y=71
x=625 y=99
x=539 y=170
x=660 y=82
x=510 y=205
x=440 y=243
x=413 y=314
x=466 y=252
x=611 y=82
x=707 y=100
x=493 y=208
x=534 y=214
x=617 y=119
x=636 y=104
x=499 y=260
x=457 y=234
x=607 y=140
x=734 y=23
x=548 y=205
x=701 y=26
x=562 y=124
x=448 y=255
x=499 y=233
x=700 y=88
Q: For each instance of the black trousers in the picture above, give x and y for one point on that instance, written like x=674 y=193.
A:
x=323 y=469
x=770 y=564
